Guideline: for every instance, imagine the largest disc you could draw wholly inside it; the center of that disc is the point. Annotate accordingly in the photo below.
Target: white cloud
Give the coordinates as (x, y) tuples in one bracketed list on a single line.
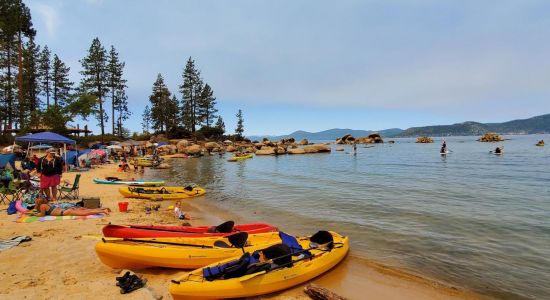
[(48, 15)]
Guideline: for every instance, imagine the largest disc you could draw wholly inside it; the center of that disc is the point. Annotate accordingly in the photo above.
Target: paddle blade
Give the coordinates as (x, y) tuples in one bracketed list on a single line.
[(238, 240)]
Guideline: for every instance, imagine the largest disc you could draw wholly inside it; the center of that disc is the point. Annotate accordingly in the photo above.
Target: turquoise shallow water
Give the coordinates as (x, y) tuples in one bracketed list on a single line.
[(471, 219)]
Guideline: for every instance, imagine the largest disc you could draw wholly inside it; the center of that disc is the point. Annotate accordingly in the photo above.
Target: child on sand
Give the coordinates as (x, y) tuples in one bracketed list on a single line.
[(180, 214)]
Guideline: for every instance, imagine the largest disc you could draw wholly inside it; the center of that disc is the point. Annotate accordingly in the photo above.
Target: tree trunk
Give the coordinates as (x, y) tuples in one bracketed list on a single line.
[(20, 77), (9, 95), (113, 109)]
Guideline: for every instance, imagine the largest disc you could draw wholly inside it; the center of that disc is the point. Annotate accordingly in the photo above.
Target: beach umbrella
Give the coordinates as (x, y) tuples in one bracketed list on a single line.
[(162, 144), (114, 147)]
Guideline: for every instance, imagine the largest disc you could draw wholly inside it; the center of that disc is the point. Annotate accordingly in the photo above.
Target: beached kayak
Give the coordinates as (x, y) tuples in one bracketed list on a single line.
[(236, 158), (114, 180), (149, 231), (181, 253), (161, 193), (248, 277)]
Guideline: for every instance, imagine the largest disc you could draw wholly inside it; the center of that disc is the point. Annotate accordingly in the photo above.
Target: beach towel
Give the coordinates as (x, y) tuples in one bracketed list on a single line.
[(14, 241), (29, 219)]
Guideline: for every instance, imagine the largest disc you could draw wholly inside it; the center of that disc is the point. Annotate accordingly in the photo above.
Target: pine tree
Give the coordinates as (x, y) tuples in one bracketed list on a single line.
[(44, 73), (95, 79), (191, 91), (220, 125), (172, 108), (121, 106), (207, 106), (160, 99), (240, 128), (15, 23), (116, 86), (146, 119), (61, 85), (29, 107)]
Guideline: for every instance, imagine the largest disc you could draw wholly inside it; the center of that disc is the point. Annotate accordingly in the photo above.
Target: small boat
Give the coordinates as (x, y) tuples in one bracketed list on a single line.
[(158, 231), (180, 253), (289, 264), (132, 182), (162, 193), (241, 157)]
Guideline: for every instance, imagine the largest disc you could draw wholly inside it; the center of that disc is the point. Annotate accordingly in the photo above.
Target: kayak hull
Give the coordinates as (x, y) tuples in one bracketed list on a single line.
[(154, 193), (141, 254), (261, 283), (131, 182), (158, 231), (237, 158)]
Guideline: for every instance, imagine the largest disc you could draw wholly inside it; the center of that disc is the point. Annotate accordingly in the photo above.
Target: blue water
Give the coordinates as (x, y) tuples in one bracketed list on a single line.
[(471, 219)]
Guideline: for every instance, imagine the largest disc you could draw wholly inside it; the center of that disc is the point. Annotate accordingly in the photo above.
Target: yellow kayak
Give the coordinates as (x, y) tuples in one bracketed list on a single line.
[(161, 193), (261, 278), (181, 253), (146, 162), (243, 157)]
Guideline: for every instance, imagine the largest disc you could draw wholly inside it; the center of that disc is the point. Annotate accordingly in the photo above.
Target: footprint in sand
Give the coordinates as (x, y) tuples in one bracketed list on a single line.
[(69, 280), (46, 233)]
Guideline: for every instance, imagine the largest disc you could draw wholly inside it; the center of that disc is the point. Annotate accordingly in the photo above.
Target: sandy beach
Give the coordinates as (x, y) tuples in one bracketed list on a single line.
[(60, 261)]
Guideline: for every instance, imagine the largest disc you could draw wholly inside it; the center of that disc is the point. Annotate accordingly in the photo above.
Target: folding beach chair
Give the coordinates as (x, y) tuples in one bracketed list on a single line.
[(70, 191)]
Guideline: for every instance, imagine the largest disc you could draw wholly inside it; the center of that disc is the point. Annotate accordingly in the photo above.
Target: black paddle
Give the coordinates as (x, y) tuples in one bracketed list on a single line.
[(222, 226), (238, 240)]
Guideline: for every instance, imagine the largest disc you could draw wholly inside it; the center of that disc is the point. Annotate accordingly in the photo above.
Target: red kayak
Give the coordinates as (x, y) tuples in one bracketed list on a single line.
[(157, 231)]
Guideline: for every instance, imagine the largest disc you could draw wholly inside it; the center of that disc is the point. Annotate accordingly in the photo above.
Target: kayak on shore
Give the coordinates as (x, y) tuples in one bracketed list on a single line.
[(133, 182), (277, 268), (180, 253), (162, 193), (150, 231)]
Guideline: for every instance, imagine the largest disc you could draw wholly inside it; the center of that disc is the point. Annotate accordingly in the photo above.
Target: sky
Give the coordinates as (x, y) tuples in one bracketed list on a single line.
[(316, 65)]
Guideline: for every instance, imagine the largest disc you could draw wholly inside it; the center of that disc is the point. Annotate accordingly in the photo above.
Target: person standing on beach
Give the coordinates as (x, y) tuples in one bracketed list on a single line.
[(50, 169)]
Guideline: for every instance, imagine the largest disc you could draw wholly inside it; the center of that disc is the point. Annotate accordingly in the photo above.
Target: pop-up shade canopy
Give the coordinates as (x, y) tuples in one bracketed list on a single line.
[(45, 137)]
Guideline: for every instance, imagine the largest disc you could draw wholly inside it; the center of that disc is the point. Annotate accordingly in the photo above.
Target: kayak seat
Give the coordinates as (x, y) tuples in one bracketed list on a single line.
[(322, 237), (221, 244), (225, 227), (232, 269), (279, 254)]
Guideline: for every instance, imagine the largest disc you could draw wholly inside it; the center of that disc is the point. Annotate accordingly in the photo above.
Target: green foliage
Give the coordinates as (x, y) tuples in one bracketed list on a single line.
[(191, 89), (164, 109), (117, 85), (146, 119), (220, 124), (211, 132), (207, 106), (44, 73), (30, 102), (61, 85), (95, 78), (141, 137), (55, 118), (240, 127)]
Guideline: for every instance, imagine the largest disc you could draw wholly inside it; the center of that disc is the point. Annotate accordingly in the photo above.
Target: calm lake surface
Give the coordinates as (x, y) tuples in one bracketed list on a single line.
[(471, 219)]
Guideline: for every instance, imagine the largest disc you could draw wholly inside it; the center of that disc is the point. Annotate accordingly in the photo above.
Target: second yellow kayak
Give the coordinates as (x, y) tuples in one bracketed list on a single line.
[(182, 253), (243, 157), (161, 193)]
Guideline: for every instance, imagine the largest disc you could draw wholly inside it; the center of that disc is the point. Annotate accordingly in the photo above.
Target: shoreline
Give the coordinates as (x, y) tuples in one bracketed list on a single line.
[(60, 261)]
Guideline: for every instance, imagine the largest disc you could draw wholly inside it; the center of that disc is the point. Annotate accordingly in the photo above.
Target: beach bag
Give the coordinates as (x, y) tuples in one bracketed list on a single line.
[(11, 208)]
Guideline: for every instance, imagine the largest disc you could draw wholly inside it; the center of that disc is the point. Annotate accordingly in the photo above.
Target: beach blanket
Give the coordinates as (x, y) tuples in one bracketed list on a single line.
[(28, 219), (14, 241)]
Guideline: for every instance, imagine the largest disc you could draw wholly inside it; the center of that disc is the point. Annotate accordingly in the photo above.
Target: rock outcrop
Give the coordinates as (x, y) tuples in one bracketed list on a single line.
[(424, 140), (490, 137), (296, 151)]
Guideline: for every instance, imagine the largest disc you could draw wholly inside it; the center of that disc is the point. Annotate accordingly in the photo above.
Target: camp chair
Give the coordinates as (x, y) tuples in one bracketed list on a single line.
[(70, 191), (7, 190)]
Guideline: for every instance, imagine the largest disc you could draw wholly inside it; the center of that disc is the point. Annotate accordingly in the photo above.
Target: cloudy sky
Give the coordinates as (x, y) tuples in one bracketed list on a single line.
[(316, 65)]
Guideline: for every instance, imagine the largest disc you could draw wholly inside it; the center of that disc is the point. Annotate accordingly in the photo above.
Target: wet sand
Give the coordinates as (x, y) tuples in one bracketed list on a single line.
[(60, 261)]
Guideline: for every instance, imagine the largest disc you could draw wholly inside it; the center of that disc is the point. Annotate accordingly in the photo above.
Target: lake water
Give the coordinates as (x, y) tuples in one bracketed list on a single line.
[(471, 219)]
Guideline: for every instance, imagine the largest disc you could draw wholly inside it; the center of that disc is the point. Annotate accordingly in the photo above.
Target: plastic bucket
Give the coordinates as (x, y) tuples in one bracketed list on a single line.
[(123, 206)]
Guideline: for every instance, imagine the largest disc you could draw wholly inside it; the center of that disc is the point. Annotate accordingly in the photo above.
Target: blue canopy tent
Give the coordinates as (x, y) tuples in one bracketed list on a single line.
[(45, 137), (7, 160)]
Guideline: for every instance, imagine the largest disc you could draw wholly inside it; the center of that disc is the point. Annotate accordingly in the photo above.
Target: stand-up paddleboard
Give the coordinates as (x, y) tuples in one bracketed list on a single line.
[(444, 153)]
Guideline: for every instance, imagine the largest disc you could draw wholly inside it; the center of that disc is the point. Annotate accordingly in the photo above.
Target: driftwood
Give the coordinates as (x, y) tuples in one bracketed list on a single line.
[(316, 292)]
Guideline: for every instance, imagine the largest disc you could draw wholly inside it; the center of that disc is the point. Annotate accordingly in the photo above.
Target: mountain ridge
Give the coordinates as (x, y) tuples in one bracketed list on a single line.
[(537, 124)]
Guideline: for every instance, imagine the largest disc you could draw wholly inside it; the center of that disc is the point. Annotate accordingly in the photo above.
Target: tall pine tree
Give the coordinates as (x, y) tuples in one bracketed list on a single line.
[(191, 90), (207, 106), (220, 125), (45, 74), (95, 79), (240, 127), (146, 119), (117, 85), (31, 103), (160, 99), (61, 85), (121, 107), (15, 24)]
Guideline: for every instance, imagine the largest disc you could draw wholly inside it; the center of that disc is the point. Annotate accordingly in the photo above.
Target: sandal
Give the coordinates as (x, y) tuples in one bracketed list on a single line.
[(134, 283)]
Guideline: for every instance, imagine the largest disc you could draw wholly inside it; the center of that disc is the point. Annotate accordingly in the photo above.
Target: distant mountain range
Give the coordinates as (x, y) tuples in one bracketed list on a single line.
[(538, 124)]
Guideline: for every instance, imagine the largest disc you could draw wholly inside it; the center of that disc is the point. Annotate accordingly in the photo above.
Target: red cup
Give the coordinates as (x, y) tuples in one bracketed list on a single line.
[(123, 206)]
